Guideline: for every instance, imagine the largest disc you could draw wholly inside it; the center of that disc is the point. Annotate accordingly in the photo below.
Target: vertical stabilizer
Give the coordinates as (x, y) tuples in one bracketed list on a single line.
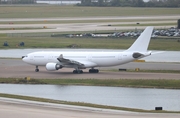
[(141, 44)]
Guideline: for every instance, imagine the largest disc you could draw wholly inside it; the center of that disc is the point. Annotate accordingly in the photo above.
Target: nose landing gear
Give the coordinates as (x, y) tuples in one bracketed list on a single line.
[(37, 69)]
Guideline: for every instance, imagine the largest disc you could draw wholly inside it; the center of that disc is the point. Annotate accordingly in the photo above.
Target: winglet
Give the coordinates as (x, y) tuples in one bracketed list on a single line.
[(142, 42), (60, 58)]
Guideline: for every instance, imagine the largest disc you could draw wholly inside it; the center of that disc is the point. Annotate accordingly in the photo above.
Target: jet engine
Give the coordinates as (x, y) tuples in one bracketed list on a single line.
[(53, 66), (138, 55)]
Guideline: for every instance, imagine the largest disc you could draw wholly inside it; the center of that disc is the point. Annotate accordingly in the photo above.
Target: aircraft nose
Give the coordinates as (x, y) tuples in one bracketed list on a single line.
[(24, 58)]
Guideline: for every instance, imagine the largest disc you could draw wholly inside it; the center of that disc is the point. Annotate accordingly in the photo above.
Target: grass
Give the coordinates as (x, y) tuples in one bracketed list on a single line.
[(137, 83), (81, 104), (147, 71), (25, 28), (175, 84), (82, 21), (97, 43), (75, 11), (148, 24)]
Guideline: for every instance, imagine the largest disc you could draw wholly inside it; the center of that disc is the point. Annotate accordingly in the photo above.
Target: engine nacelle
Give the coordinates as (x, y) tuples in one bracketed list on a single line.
[(53, 66), (138, 55)]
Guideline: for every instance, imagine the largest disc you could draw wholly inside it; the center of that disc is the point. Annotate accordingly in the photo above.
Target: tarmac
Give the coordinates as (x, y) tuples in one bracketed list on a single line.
[(13, 108), (16, 68)]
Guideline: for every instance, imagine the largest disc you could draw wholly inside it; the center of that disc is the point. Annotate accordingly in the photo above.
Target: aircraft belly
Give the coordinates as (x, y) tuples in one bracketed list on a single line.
[(40, 62), (106, 62)]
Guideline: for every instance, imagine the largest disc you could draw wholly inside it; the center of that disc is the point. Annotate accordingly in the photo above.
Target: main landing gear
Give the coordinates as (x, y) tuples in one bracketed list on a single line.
[(37, 69), (93, 70), (77, 71)]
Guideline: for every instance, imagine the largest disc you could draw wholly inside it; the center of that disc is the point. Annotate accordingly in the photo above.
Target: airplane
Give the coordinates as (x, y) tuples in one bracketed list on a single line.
[(55, 60)]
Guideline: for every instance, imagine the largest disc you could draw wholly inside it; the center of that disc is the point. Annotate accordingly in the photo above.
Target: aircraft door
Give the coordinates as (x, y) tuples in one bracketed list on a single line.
[(89, 57), (50, 57), (119, 56), (31, 57)]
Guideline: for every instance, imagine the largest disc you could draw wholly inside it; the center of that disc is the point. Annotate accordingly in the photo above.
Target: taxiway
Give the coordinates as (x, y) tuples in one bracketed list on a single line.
[(16, 68)]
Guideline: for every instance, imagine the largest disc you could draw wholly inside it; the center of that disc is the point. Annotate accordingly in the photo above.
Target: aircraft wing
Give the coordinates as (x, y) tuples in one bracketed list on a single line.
[(69, 61)]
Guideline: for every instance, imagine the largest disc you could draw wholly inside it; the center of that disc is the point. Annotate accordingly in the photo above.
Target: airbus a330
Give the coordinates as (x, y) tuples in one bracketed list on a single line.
[(55, 60)]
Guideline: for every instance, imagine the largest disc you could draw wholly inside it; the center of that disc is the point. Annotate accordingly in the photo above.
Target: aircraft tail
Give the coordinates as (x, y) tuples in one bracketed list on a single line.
[(142, 42)]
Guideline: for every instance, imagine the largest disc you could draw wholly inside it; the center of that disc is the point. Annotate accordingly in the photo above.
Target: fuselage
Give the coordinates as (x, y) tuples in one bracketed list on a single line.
[(90, 59)]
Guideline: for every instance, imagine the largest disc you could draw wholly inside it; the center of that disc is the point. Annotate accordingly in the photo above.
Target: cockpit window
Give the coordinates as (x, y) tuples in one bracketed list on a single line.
[(24, 56)]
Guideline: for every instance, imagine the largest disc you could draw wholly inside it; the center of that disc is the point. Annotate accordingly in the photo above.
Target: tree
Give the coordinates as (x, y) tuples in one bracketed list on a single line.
[(86, 2), (172, 3), (115, 3), (100, 2), (138, 3)]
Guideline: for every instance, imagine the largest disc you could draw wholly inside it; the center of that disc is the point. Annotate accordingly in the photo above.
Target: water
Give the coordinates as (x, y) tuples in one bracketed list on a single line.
[(141, 98), (58, 2)]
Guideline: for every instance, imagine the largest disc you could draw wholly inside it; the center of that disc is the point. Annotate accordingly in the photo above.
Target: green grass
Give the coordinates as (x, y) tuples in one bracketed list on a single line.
[(121, 82), (25, 28), (143, 70), (75, 11), (83, 21), (148, 24), (137, 83), (97, 43)]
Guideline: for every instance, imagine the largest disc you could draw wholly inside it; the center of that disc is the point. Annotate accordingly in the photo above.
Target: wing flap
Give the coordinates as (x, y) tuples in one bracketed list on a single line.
[(68, 61)]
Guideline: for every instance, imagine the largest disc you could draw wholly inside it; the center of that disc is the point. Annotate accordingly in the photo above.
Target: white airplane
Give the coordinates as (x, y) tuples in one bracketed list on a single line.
[(82, 60)]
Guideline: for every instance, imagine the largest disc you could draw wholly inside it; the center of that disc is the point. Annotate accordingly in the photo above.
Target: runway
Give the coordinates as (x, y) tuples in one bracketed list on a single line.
[(16, 68), (21, 108), (96, 25)]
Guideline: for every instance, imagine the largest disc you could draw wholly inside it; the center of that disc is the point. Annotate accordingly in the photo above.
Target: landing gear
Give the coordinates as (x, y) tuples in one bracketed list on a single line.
[(77, 71), (93, 71), (37, 69)]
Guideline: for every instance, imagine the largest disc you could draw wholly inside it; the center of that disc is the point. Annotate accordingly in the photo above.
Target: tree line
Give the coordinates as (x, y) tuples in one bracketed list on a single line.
[(131, 3), (17, 1), (110, 3)]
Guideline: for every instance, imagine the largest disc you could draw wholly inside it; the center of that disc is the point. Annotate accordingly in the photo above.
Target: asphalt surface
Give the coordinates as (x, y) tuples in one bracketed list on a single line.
[(12, 108), (16, 68), (90, 18), (84, 26)]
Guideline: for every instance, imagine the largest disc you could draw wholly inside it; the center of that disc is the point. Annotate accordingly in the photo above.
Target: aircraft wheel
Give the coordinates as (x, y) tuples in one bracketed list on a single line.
[(77, 71), (90, 70), (36, 70), (74, 71), (81, 71), (93, 71)]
